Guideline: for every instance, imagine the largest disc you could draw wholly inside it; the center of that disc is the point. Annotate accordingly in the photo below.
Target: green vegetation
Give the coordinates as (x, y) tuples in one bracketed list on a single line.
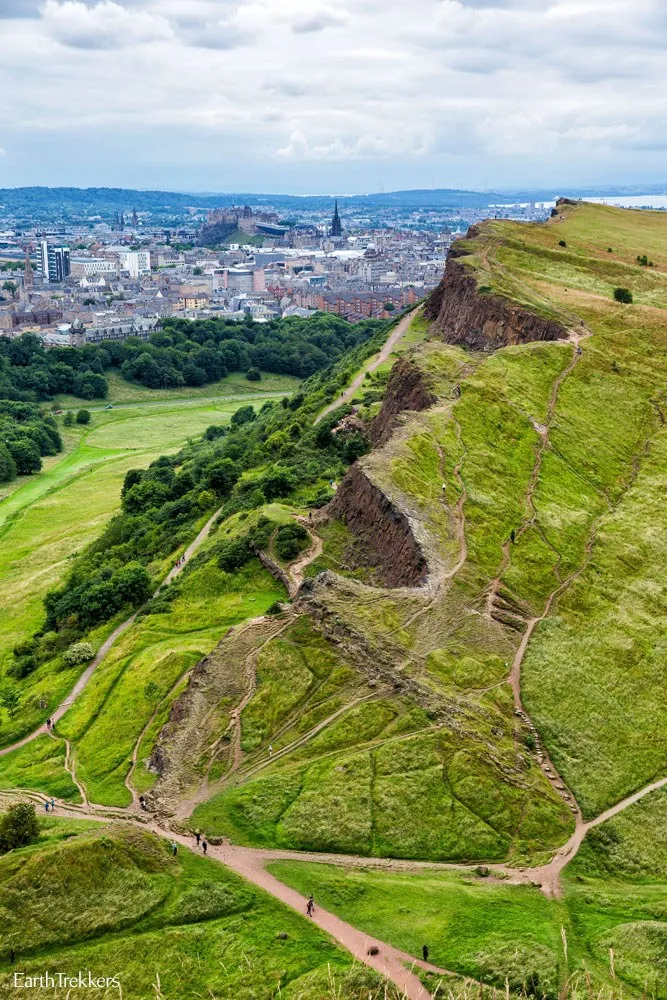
[(182, 353), (18, 827), (26, 435), (114, 901)]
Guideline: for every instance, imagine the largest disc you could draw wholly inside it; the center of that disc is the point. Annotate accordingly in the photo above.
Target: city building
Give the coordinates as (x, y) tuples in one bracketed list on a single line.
[(53, 261)]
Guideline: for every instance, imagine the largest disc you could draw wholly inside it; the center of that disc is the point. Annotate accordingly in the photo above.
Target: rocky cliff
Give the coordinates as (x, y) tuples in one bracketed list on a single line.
[(408, 389), (383, 529), (484, 322)]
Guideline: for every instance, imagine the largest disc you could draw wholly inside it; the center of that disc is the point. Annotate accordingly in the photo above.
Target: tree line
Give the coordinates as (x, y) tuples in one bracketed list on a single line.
[(274, 454), (181, 353)]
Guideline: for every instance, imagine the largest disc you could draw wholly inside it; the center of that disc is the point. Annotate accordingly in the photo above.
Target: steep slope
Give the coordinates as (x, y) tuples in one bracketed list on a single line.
[(488, 510)]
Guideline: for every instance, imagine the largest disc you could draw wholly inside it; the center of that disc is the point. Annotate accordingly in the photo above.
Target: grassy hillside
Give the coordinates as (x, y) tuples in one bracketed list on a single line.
[(114, 901), (554, 456)]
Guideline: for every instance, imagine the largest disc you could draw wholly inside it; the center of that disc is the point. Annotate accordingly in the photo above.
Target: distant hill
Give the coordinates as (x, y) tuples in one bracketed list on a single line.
[(93, 201)]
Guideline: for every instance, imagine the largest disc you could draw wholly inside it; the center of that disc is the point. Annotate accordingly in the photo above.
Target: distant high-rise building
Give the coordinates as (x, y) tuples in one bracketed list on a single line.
[(336, 224), (54, 261)]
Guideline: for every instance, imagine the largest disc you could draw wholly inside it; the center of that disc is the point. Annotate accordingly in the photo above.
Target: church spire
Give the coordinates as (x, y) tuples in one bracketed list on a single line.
[(336, 224), (28, 274)]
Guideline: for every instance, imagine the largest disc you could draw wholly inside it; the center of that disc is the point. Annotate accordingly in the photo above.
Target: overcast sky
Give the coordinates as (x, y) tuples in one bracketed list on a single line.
[(333, 96)]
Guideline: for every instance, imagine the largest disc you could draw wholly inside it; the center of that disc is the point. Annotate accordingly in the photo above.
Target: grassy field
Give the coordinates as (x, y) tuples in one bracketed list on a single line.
[(114, 901), (126, 393), (616, 898), (57, 512)]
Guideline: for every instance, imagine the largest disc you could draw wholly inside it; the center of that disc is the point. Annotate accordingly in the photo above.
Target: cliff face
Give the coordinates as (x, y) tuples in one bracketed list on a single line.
[(407, 390), (382, 528), (461, 315)]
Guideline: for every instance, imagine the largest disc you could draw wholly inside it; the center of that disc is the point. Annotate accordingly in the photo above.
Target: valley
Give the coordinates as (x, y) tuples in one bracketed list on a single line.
[(413, 663)]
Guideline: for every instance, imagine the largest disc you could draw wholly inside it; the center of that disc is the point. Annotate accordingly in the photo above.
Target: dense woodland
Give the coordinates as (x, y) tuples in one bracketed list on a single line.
[(26, 434), (182, 353), (276, 454)]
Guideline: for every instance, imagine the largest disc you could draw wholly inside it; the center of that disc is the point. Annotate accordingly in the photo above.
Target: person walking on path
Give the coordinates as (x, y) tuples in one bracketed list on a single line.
[(46, 805), (53, 805), (425, 953), (174, 848), (310, 907), (204, 846), (198, 837)]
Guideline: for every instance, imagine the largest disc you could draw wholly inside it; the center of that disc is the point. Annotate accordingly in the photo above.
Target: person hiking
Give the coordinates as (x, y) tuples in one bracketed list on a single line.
[(198, 837), (48, 723), (12, 956), (53, 804), (310, 906), (425, 953), (204, 846), (174, 848), (46, 806)]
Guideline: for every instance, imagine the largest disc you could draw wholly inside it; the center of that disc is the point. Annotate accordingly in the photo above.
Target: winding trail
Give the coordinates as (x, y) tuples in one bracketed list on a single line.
[(83, 680), (394, 338)]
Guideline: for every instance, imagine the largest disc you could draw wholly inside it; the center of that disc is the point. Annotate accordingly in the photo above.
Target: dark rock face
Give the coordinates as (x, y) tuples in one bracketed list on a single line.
[(407, 389), (383, 530), (461, 315)]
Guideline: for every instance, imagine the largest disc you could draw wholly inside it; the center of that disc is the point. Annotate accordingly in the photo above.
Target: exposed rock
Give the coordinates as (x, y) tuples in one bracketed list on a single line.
[(408, 389), (483, 322), (383, 529)]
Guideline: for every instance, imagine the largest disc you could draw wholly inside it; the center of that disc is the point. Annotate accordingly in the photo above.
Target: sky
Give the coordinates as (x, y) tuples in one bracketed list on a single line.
[(333, 96)]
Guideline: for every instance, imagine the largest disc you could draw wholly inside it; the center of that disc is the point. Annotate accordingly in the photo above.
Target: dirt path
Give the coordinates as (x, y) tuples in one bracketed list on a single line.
[(83, 680), (395, 336), (296, 571)]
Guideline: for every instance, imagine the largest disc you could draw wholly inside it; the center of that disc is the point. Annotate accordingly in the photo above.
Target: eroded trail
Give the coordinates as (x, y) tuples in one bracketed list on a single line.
[(394, 338), (83, 680)]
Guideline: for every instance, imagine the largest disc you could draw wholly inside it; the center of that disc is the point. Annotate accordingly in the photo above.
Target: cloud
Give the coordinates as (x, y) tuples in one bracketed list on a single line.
[(318, 19), (451, 91), (106, 25)]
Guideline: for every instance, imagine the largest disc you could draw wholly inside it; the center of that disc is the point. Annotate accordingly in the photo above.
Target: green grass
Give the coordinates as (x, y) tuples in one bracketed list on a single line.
[(236, 385), (114, 901), (107, 720), (57, 512), (40, 766), (473, 926)]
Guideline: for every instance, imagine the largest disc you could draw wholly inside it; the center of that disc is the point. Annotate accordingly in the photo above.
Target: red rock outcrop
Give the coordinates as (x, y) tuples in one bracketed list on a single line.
[(383, 530), (484, 322), (408, 389)]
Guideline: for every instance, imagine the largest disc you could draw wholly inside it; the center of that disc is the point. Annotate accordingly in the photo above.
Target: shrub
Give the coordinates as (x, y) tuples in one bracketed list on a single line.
[(80, 652), (562, 243), (18, 827), (291, 539), (254, 375), (83, 417), (68, 419), (234, 554), (244, 415), (623, 295)]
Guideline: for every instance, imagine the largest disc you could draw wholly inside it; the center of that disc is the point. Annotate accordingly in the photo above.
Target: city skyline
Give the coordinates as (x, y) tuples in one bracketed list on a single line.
[(335, 96)]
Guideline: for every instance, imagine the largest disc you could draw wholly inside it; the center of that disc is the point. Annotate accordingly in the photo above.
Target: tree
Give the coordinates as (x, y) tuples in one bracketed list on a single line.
[(7, 464), (291, 539), (68, 419), (11, 287), (9, 699), (26, 455), (222, 476), (198, 270), (18, 827), (253, 375), (623, 295), (390, 307), (243, 416), (83, 417)]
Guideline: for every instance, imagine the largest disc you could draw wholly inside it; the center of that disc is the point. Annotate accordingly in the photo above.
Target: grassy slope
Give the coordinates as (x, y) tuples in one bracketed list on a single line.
[(62, 509), (114, 901)]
